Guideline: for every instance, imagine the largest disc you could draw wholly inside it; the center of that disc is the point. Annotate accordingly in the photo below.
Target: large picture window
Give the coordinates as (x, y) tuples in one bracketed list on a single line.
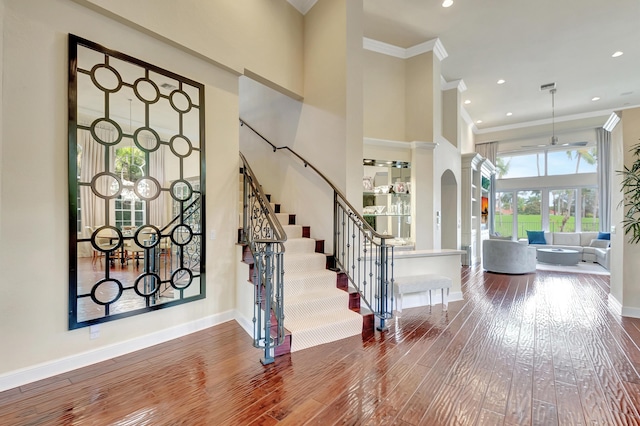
[(547, 162)]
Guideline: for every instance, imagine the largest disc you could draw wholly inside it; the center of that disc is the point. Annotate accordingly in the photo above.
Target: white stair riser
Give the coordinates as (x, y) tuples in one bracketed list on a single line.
[(304, 262), (300, 245), (327, 302), (283, 218), (293, 231), (325, 332), (295, 284)]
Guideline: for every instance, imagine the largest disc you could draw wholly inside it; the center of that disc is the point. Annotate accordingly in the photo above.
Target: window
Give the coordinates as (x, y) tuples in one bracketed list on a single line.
[(503, 214), (547, 162), (562, 210), (129, 212), (568, 162), (589, 213), (529, 209), (520, 165), (554, 210)]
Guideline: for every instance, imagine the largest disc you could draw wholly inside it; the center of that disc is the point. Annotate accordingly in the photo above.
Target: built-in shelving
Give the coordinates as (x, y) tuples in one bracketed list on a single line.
[(395, 218), (474, 167)]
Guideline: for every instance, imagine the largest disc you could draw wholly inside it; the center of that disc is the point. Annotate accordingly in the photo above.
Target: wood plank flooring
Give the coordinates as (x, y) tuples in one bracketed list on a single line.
[(536, 349)]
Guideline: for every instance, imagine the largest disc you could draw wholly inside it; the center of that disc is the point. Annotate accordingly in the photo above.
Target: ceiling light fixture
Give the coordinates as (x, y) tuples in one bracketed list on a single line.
[(595, 98), (501, 81), (509, 114), (616, 54), (467, 102), (447, 3), (479, 121), (554, 139)]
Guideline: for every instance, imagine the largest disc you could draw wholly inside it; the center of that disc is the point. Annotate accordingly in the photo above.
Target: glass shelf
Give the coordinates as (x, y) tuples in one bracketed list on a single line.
[(386, 214), (387, 193)]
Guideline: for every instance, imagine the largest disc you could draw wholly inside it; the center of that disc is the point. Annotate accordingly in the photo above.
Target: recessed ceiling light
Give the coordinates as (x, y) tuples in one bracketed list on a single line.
[(501, 81), (595, 98), (509, 114), (479, 121), (616, 54), (467, 102), (447, 3)]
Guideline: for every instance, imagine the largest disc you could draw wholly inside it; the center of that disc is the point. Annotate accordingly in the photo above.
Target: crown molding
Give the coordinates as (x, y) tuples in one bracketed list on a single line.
[(424, 145), (611, 122), (434, 45), (303, 6), (386, 143), (454, 84), (583, 116), (467, 119), (384, 48)]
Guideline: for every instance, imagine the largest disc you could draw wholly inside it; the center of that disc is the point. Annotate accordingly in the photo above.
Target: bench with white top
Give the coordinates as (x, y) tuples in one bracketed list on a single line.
[(422, 284)]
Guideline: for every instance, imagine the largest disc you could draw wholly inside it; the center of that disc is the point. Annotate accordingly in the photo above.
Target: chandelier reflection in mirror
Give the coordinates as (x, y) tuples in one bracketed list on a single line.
[(136, 185)]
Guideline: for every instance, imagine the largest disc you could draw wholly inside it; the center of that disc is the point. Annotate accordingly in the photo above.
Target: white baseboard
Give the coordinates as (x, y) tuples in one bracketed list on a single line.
[(48, 369), (624, 311), (615, 304), (245, 323), (630, 312)]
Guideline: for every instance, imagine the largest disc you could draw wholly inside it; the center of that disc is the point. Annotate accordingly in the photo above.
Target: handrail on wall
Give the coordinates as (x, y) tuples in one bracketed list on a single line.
[(359, 250)]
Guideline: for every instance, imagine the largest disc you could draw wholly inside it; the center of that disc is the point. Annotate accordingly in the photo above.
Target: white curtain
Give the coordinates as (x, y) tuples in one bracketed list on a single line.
[(92, 208), (603, 141), (490, 152), (158, 207)]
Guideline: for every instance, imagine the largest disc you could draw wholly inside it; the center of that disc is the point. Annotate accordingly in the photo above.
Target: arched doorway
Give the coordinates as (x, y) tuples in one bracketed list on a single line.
[(449, 214)]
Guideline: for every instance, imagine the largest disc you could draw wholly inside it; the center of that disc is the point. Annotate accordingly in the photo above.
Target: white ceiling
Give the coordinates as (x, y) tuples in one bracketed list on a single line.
[(527, 43)]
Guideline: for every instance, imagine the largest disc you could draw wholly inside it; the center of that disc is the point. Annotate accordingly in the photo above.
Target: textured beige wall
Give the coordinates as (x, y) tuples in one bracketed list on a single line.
[(34, 208), (423, 98), (630, 288), (384, 96), (263, 37), (617, 254)]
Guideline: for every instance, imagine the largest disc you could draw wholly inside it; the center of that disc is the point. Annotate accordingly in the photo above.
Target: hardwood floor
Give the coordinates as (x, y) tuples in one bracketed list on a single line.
[(539, 349)]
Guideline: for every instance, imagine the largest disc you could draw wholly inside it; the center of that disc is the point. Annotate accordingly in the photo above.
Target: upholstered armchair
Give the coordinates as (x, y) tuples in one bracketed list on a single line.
[(508, 257)]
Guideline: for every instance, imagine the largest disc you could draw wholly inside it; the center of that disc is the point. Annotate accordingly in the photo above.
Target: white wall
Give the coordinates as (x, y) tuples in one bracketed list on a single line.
[(34, 208)]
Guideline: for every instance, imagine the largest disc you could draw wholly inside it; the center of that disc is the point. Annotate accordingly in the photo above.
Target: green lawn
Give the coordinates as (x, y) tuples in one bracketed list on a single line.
[(504, 224)]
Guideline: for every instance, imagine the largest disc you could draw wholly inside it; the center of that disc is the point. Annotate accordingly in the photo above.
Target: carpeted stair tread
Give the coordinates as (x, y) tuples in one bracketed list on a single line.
[(328, 301), (307, 281), (300, 245), (304, 262), (317, 329)]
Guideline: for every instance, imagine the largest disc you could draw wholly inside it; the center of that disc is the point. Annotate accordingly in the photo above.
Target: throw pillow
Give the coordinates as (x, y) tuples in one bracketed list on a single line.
[(536, 237), (604, 235), (599, 243)]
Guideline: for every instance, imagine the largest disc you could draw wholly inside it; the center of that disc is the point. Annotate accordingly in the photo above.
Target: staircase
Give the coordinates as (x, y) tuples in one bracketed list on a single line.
[(319, 306), (316, 310)]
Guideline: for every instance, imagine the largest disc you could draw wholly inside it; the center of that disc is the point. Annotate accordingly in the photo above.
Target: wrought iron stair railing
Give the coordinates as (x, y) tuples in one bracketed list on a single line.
[(359, 251), (264, 235)]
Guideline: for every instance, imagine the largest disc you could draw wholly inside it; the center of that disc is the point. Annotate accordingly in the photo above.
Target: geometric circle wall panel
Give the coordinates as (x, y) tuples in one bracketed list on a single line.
[(136, 185)]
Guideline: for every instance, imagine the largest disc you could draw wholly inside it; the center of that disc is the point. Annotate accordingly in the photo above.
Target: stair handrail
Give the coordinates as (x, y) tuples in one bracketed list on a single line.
[(306, 163), (342, 207), (265, 237)]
